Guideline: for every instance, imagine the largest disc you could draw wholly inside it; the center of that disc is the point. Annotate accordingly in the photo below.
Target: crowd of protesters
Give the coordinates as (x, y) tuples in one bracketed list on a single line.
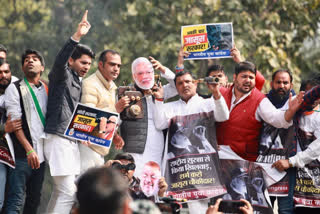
[(35, 114)]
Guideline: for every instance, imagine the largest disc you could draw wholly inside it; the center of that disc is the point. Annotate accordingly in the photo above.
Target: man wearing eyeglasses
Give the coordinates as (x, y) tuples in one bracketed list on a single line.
[(126, 164)]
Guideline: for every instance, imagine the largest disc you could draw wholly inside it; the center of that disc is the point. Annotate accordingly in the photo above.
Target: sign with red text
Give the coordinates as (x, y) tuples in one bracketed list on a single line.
[(92, 124), (206, 41), (192, 168)]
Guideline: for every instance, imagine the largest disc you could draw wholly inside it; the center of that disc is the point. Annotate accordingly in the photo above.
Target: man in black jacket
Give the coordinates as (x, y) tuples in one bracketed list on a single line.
[(71, 64)]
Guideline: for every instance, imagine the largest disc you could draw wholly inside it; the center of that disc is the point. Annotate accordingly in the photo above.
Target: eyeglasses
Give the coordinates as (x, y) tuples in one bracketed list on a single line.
[(110, 121), (118, 166)]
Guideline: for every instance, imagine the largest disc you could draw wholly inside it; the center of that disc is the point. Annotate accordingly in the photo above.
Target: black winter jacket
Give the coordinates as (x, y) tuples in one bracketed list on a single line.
[(64, 91)]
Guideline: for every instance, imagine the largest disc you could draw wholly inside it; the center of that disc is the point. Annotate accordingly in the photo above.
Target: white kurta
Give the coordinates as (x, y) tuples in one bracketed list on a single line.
[(309, 123), (196, 104), (154, 146), (12, 104)]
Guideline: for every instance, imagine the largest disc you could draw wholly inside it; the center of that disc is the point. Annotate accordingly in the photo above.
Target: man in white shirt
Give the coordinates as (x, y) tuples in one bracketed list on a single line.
[(27, 99), (190, 104)]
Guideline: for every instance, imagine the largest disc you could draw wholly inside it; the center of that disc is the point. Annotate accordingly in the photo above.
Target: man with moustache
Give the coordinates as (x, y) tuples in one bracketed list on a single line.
[(248, 109), (190, 103), (99, 91), (6, 126), (62, 154), (307, 132), (27, 100)]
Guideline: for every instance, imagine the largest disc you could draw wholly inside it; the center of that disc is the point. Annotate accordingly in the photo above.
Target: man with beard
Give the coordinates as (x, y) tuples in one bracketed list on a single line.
[(6, 126), (248, 109), (62, 154), (281, 88), (126, 164), (308, 147), (27, 100)]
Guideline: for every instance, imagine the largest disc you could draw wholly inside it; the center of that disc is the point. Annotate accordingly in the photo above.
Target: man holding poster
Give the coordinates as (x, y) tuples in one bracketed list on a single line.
[(207, 41), (62, 154), (191, 173)]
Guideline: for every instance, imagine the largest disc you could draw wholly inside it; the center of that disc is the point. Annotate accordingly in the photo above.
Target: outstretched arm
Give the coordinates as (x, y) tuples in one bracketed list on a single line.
[(309, 98), (58, 72), (169, 89)]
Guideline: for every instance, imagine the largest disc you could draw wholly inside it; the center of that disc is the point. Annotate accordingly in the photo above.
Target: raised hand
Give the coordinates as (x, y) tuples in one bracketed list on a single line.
[(294, 105), (83, 27), (157, 65), (158, 92), (181, 56), (235, 53)]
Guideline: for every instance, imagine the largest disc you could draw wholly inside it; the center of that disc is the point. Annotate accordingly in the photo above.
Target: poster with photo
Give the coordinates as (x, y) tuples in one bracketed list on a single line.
[(192, 168), (205, 41), (307, 189), (92, 124), (248, 180), (276, 144)]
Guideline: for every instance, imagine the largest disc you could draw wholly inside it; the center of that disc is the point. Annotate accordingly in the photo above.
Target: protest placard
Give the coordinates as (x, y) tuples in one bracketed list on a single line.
[(276, 144), (206, 41), (307, 188), (92, 124), (192, 167)]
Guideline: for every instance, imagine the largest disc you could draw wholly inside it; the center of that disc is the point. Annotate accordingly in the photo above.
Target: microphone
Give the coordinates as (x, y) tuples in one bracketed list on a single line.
[(169, 199)]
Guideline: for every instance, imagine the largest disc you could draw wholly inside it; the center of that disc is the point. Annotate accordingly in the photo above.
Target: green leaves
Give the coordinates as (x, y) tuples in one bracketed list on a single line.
[(268, 32)]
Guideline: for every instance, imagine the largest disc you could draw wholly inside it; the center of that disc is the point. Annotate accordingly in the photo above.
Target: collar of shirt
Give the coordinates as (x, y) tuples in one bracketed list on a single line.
[(233, 104), (193, 99), (108, 85)]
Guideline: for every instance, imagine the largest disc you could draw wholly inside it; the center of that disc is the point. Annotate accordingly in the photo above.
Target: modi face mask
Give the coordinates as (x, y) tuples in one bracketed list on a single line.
[(143, 73)]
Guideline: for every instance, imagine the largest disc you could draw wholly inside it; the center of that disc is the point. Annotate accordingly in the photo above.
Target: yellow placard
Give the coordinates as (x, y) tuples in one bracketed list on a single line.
[(195, 38), (85, 120)]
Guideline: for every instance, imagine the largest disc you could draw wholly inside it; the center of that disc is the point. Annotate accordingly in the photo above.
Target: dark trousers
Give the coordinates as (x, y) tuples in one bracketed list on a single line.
[(24, 180)]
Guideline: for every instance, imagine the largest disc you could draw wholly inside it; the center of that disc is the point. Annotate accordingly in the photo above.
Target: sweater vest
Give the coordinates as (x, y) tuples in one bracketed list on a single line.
[(19, 151), (242, 131), (134, 132)]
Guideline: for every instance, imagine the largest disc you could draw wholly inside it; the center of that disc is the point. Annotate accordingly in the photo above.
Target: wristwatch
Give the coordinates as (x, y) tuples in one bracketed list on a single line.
[(290, 163), (102, 132)]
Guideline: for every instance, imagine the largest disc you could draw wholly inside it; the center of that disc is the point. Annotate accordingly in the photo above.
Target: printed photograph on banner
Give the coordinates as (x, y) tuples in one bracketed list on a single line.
[(149, 178), (92, 124), (276, 144), (245, 180), (192, 168), (206, 41), (307, 188)]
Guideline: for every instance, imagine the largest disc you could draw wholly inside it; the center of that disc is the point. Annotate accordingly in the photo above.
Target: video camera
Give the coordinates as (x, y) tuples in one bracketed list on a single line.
[(135, 109)]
